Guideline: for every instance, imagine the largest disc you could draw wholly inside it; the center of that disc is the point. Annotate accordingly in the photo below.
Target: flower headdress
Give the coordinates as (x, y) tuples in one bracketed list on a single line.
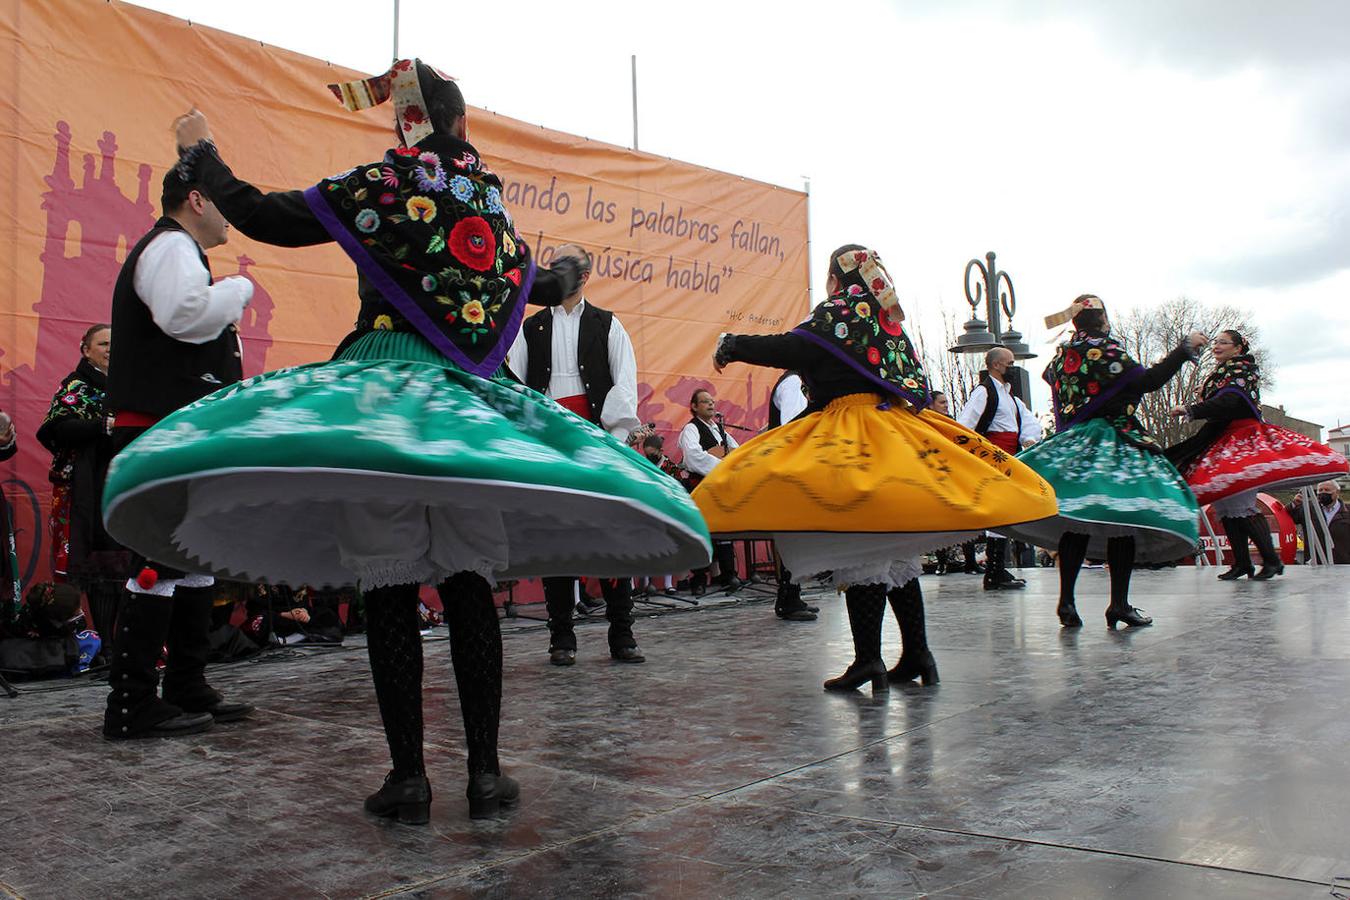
[(874, 277), (1087, 301)]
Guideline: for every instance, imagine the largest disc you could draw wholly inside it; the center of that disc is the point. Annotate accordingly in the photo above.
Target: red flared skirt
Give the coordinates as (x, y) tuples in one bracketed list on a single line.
[(1253, 455)]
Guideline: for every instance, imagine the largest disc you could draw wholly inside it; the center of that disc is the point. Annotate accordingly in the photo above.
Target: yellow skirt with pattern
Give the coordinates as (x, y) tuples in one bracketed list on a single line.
[(864, 481)]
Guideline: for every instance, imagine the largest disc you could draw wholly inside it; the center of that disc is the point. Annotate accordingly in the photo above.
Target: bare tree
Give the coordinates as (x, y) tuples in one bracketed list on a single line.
[(955, 374), (1150, 334)]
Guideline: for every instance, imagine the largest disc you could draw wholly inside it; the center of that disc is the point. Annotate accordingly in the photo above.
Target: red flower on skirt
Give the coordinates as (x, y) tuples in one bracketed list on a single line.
[(1072, 362), (472, 243)]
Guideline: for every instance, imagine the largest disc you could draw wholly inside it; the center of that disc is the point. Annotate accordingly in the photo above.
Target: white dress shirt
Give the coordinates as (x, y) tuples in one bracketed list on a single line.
[(1005, 416), (173, 283), (618, 415), (696, 459), (789, 399)]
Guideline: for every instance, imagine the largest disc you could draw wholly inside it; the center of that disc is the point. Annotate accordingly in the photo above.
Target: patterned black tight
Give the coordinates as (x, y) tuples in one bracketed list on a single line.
[(395, 646), (476, 651)]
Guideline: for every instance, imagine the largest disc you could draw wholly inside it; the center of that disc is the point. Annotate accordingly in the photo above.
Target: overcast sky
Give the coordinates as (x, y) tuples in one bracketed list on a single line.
[(1139, 150)]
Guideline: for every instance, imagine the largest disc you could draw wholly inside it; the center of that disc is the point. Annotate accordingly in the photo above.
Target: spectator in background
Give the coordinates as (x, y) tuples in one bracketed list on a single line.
[(76, 432), (705, 443), (1334, 513), (941, 404)]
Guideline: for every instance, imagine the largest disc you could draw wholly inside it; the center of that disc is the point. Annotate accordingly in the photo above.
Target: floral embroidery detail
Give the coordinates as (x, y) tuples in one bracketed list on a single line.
[(474, 313), (70, 399), (383, 323), (1240, 373), (841, 331), (1084, 376), (508, 247), (428, 283), (889, 324), (421, 208), (873, 355), (494, 200), (367, 220), (373, 173), (462, 188), (863, 310), (472, 243), (390, 177), (387, 199), (433, 180)]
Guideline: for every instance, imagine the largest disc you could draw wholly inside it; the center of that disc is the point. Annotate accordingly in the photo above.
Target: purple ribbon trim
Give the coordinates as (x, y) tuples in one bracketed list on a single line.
[(919, 401), (1096, 403), (1230, 389), (407, 306)]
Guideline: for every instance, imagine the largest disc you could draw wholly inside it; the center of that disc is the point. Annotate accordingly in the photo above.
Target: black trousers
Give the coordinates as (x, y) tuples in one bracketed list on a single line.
[(724, 552), (559, 598)]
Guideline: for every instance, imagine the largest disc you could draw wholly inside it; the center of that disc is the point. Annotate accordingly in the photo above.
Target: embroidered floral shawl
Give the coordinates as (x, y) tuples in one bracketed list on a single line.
[(1238, 375), (1087, 373), (426, 226), (81, 396), (868, 336)]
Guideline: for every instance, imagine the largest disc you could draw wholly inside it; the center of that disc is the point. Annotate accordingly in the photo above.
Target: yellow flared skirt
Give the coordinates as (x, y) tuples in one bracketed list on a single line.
[(863, 480)]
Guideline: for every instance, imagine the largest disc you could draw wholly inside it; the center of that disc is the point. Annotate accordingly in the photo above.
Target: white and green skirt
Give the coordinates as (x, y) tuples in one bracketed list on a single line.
[(389, 465), (1108, 487)]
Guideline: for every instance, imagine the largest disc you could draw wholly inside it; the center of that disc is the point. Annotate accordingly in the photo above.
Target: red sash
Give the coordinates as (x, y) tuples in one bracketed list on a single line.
[(1004, 440)]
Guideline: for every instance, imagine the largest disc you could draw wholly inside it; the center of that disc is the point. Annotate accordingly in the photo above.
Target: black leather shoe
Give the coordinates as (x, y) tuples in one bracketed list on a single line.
[(1008, 583), (230, 712), (1235, 573), (1268, 572), (408, 800), (627, 654), (1129, 615), (176, 726), (919, 665), (1068, 616), (796, 614), (858, 674), (561, 657), (489, 793)]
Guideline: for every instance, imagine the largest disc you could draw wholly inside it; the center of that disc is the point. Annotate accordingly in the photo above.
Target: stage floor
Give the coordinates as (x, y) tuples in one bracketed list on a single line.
[(1203, 757)]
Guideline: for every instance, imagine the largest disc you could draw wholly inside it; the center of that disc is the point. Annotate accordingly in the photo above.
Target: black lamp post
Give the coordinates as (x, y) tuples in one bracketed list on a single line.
[(983, 335)]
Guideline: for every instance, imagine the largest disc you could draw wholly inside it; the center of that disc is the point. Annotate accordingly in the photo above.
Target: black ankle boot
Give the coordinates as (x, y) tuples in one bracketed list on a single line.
[(916, 660), (1236, 529), (858, 674), (488, 793), (408, 800), (1132, 617), (1068, 616)]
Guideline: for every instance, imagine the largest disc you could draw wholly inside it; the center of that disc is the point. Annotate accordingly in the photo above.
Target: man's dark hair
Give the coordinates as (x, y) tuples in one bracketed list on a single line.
[(654, 440), (178, 183), (693, 398), (939, 393)]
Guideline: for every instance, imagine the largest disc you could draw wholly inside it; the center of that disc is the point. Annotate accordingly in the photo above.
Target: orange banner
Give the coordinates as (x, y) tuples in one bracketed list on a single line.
[(682, 253)]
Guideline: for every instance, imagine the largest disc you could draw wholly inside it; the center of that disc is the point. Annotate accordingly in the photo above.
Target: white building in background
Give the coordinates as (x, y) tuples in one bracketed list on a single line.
[(1338, 439)]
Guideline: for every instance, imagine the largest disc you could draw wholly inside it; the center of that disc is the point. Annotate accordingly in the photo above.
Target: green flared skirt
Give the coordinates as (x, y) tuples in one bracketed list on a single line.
[(1108, 487), (390, 465)]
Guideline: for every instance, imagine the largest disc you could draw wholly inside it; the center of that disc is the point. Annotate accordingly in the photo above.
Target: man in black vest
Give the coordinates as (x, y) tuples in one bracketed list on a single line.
[(704, 443), (176, 343), (580, 356), (994, 412)]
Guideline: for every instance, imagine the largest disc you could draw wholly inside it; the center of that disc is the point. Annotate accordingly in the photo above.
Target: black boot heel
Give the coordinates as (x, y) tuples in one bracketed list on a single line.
[(1268, 572), (408, 800), (921, 666), (1068, 616), (489, 793), (1235, 573), (858, 674)]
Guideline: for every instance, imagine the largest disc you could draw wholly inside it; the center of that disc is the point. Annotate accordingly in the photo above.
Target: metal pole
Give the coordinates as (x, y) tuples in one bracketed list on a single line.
[(810, 285), (991, 298), (395, 30), (635, 124)]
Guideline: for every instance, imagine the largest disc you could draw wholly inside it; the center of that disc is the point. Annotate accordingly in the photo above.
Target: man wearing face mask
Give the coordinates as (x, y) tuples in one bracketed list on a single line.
[(1334, 513), (993, 412)]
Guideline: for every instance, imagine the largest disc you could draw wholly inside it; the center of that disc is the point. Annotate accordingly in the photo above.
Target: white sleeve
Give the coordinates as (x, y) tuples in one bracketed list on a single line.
[(974, 408), (177, 288), (696, 459), (518, 357), (731, 441), (1031, 426), (789, 399), (619, 414)]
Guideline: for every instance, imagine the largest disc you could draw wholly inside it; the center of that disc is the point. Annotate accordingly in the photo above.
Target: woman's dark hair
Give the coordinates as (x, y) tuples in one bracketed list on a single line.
[(1238, 340), (89, 335), (846, 278), (1089, 319), (445, 102)]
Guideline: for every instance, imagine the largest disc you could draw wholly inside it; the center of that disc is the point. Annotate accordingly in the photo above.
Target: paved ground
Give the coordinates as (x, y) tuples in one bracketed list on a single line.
[(1203, 757)]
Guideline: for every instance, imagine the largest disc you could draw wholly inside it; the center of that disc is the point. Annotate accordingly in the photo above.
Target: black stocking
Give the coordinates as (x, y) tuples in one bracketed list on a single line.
[(1072, 551), (1260, 532), (1120, 558), (866, 606), (395, 644), (476, 652)]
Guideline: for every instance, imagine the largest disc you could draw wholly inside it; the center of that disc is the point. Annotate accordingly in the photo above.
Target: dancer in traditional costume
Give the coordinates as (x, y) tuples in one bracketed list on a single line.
[(409, 458), (871, 480), (1237, 453), (1119, 497)]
